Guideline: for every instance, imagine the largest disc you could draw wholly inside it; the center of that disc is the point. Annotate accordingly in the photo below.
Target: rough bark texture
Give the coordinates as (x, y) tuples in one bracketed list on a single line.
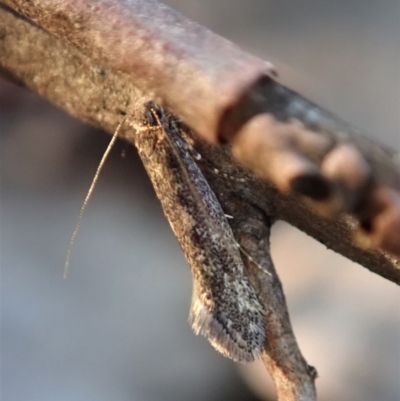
[(90, 89), (224, 94), (96, 94)]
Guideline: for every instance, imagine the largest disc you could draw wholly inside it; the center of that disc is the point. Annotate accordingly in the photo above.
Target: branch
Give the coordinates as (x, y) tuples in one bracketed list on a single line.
[(225, 94), (90, 88)]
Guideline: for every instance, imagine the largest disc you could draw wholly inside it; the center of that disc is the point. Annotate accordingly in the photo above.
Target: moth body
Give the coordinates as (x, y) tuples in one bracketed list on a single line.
[(225, 308)]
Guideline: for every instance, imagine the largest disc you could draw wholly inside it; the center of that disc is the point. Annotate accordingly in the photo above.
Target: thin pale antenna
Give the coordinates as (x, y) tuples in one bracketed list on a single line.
[(89, 194)]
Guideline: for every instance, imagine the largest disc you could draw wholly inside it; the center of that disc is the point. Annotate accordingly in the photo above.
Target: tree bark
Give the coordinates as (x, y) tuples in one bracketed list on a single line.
[(96, 89)]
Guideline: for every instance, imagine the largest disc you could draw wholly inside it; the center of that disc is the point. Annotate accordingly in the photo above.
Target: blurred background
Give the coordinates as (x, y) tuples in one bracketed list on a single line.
[(116, 328)]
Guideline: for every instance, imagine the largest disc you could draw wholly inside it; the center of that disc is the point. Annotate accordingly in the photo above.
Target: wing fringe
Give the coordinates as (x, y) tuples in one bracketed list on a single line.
[(228, 342)]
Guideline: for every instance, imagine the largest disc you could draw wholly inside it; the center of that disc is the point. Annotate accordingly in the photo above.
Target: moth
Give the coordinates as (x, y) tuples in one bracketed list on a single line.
[(225, 308)]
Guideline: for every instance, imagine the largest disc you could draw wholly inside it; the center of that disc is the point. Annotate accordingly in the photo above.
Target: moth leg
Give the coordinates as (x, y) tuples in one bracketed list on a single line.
[(250, 258), (156, 118), (153, 122)]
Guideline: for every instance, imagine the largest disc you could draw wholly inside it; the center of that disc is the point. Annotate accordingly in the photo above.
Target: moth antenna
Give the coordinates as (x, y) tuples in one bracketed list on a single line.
[(89, 194), (250, 258)]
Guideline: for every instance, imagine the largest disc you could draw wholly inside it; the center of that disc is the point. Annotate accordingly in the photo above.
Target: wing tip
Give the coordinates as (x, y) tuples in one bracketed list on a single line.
[(228, 342)]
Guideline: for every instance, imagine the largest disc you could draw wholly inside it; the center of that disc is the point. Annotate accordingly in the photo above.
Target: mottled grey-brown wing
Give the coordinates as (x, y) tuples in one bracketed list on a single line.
[(225, 308)]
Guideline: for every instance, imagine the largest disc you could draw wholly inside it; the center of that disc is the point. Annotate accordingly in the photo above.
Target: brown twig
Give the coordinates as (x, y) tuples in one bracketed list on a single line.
[(94, 92), (295, 144), (98, 95)]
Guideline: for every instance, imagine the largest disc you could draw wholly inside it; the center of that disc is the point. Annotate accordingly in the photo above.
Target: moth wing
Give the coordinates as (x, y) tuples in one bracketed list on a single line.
[(233, 324)]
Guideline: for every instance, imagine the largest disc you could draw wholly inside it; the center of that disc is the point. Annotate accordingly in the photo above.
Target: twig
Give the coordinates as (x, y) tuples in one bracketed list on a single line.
[(91, 90), (98, 95), (295, 144)]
